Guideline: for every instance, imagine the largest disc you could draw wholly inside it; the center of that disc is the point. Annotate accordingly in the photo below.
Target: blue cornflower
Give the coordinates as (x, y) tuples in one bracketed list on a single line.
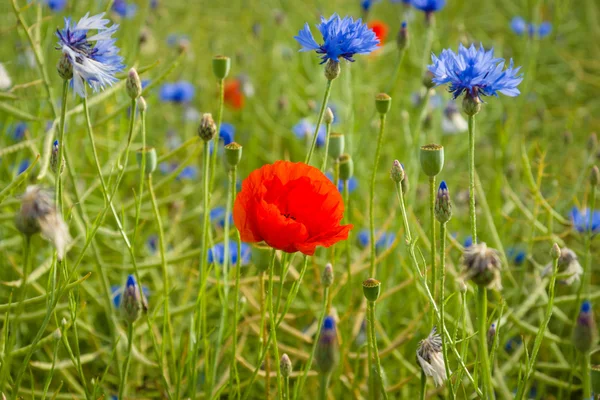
[(177, 92), (517, 256), (352, 183), (468, 242), (175, 39), (305, 129), (428, 6), (117, 292), (226, 133), (152, 243), (56, 5), (366, 4), (216, 254), (513, 344), (384, 240), (520, 26), (476, 72), (96, 63), (124, 9), (17, 132), (581, 220), (217, 216), (188, 173), (23, 166), (341, 38)]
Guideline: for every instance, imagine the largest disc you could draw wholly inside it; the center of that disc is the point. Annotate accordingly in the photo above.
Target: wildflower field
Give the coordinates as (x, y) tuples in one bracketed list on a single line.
[(309, 200)]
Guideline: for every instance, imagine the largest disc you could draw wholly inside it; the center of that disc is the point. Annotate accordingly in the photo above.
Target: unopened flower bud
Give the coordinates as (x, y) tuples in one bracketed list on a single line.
[(371, 289), (594, 176), (133, 302), (383, 103), (432, 159), (428, 80), (346, 167), (328, 117), (148, 156), (64, 67), (403, 39), (285, 365), (233, 154), (207, 129), (142, 105), (332, 69), (555, 251), (336, 145), (397, 172), (585, 333), (405, 184), (133, 85), (221, 66), (443, 205), (54, 158), (327, 276), (327, 354), (57, 334), (491, 333), (471, 104)]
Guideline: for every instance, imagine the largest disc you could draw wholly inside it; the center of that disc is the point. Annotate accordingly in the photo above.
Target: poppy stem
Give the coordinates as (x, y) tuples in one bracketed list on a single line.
[(433, 283), (378, 376), (321, 113), (372, 194), (272, 318), (233, 374), (213, 163), (348, 248), (263, 334)]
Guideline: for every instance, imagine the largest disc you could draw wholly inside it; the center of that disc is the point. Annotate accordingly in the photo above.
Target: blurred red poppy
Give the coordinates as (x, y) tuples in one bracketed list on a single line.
[(381, 30), (233, 96), (290, 206)]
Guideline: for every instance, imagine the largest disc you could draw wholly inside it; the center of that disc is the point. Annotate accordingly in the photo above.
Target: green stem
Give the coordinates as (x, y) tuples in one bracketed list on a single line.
[(201, 327), (263, 334), (348, 247), (442, 304), (379, 376), (286, 384), (423, 386), (585, 375), (272, 318), (214, 155), (432, 239), (473, 217), (372, 194), (486, 374), (396, 76), (326, 156), (236, 310), (61, 146), (321, 113), (311, 356), (323, 386), (127, 361)]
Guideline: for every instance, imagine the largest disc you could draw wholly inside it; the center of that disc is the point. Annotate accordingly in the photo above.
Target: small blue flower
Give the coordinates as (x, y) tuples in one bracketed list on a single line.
[(428, 6), (342, 38), (96, 63), (117, 292), (517, 256), (304, 129), (216, 254), (23, 166), (226, 134), (124, 9), (188, 173), (352, 183), (152, 243), (513, 344), (217, 217), (175, 39), (520, 26), (476, 72), (178, 92), (367, 4), (56, 5), (386, 239), (544, 29), (468, 242), (581, 220), (17, 132)]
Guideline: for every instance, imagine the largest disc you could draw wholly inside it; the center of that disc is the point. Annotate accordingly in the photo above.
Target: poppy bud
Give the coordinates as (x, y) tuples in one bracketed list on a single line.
[(482, 265), (54, 158), (594, 176), (383, 103), (285, 365), (233, 154), (327, 276), (403, 40), (133, 302), (428, 80), (432, 159), (336, 145), (584, 334), (133, 85), (142, 104), (346, 167), (332, 69), (149, 153), (261, 256), (64, 67), (221, 66), (471, 104), (207, 129), (371, 289), (328, 117), (443, 205), (327, 353), (397, 172)]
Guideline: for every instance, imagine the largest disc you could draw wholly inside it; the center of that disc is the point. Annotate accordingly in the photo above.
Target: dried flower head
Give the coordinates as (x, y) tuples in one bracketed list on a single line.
[(482, 265), (38, 214), (430, 357)]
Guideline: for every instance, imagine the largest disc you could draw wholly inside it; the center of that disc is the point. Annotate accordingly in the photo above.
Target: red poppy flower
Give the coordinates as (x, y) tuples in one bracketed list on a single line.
[(233, 94), (381, 30), (291, 206)]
